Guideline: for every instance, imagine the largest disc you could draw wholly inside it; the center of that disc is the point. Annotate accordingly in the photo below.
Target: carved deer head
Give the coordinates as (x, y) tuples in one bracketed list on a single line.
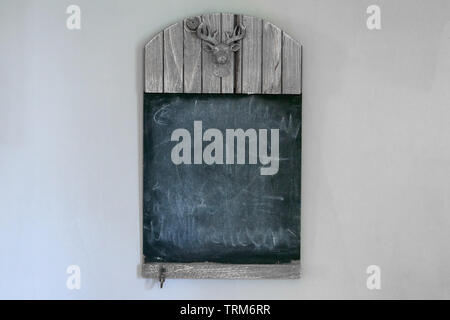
[(221, 50)]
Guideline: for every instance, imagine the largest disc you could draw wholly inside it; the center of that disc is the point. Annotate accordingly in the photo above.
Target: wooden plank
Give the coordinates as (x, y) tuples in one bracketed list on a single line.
[(192, 62), (210, 82), (153, 64), (291, 66), (238, 62), (252, 55), (209, 270), (173, 58), (228, 26), (271, 68)]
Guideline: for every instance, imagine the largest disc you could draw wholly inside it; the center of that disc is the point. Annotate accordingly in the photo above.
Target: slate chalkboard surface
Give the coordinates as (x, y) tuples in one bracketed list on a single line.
[(227, 213)]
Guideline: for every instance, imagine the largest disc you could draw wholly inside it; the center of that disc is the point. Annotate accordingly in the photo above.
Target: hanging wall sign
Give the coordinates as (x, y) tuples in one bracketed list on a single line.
[(222, 150)]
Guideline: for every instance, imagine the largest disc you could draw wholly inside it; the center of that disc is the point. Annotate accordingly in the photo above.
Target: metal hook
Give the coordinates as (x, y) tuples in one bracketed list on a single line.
[(162, 276)]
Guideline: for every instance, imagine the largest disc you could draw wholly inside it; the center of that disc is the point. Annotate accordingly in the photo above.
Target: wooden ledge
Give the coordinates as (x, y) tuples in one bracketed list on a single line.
[(208, 270)]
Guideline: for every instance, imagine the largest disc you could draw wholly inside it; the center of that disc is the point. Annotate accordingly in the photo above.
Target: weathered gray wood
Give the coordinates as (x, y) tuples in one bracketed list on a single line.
[(228, 25), (192, 62), (252, 55), (268, 62), (238, 61), (292, 66), (154, 64), (210, 82), (271, 69), (209, 270), (173, 58)]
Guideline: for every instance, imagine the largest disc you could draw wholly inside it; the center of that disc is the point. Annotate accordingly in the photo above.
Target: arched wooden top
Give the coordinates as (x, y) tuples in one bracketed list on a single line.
[(268, 62)]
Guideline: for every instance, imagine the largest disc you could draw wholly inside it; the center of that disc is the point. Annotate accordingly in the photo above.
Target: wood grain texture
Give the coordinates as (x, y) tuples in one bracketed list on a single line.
[(292, 66), (268, 62), (238, 61), (173, 58), (252, 55), (271, 69), (192, 56), (154, 64), (222, 271), (228, 26), (210, 83)]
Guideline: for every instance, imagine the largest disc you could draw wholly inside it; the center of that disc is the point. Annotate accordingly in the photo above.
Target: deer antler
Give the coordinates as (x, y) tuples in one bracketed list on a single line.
[(238, 34), (204, 33)]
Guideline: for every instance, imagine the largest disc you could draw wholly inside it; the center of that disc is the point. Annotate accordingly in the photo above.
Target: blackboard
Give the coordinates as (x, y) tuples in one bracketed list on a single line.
[(227, 213)]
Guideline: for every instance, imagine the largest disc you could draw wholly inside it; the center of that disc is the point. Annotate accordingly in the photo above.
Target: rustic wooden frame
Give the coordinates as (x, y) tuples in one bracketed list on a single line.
[(269, 62)]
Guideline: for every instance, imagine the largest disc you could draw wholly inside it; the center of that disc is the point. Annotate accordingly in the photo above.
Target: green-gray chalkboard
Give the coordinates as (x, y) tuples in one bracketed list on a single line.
[(223, 212)]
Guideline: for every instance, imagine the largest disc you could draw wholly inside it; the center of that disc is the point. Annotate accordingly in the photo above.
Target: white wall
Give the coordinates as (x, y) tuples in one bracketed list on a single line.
[(376, 148)]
